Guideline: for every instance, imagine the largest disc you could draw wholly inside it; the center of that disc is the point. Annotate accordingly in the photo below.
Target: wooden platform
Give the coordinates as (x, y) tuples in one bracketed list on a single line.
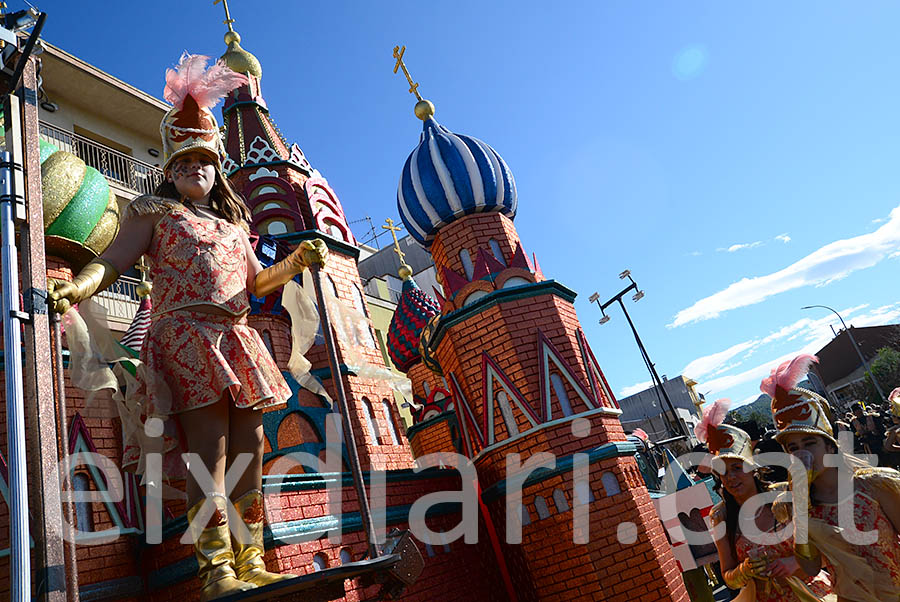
[(320, 586)]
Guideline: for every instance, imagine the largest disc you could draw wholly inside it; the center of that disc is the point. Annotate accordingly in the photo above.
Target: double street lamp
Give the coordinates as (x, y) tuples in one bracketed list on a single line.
[(658, 384), (853, 342)]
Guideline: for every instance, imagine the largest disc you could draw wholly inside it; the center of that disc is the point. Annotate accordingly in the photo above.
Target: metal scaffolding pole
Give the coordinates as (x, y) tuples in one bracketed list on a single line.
[(33, 327), (20, 561)]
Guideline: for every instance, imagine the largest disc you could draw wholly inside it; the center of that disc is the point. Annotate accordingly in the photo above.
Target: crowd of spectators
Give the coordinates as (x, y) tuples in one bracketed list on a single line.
[(876, 431)]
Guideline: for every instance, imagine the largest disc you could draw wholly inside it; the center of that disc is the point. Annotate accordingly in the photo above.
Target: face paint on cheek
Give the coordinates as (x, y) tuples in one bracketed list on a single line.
[(179, 170)]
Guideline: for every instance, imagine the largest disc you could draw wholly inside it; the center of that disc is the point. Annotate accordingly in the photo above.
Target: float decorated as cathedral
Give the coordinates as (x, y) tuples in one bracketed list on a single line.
[(215, 390)]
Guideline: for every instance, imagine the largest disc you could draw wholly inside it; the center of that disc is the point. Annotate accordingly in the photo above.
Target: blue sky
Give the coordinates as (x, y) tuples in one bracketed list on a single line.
[(740, 160)]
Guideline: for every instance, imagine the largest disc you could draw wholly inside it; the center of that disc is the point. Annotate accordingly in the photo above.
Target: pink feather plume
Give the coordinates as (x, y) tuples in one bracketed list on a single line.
[(641, 434), (207, 86), (712, 417), (788, 374)]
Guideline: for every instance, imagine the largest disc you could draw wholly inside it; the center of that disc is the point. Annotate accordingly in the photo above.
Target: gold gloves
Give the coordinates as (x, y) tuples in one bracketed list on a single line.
[(806, 551), (743, 573), (307, 253), (96, 276)]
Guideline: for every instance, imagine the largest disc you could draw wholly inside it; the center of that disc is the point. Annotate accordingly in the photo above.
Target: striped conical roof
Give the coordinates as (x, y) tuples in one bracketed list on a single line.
[(134, 336), (413, 312)]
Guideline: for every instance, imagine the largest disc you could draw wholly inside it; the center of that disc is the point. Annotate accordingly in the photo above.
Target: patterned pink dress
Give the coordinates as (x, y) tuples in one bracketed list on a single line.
[(777, 590), (883, 555), (192, 358)]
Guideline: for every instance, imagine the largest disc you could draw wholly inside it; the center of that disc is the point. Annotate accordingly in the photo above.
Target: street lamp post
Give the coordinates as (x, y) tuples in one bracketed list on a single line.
[(859, 352), (658, 384)]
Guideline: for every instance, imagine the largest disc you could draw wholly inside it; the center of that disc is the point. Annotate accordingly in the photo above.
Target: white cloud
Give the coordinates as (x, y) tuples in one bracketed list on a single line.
[(711, 363), (745, 401), (814, 335), (783, 238), (754, 374), (827, 264), (694, 254), (810, 330), (635, 388), (742, 245)]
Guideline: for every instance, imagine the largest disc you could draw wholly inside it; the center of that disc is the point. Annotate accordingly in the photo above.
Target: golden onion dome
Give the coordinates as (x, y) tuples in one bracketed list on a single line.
[(238, 59)]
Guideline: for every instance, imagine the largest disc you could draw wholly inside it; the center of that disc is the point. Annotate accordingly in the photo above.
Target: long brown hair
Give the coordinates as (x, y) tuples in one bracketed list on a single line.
[(223, 199)]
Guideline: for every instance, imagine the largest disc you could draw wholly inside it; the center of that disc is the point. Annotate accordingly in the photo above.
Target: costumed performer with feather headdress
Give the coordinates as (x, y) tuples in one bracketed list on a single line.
[(762, 567), (202, 363), (865, 564)]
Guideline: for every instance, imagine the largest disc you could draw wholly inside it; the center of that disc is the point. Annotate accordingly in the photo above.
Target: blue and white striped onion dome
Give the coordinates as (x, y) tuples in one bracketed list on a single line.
[(448, 176)]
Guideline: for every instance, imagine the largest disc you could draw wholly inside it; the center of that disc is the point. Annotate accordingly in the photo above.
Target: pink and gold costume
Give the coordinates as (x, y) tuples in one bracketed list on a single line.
[(883, 556), (202, 356), (777, 590)]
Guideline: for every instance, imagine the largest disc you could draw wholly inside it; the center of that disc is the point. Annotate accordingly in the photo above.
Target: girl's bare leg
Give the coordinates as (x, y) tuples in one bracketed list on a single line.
[(245, 435), (206, 430)]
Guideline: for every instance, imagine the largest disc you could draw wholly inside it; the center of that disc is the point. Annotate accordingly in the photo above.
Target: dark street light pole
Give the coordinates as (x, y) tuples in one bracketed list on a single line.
[(862, 358), (658, 384)]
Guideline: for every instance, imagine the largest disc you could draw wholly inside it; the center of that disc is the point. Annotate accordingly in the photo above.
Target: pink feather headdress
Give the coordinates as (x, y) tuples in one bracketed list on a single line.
[(206, 86), (787, 375), (641, 434), (712, 417)]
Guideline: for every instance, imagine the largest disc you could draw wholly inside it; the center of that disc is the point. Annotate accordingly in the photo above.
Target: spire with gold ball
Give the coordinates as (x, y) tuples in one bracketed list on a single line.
[(448, 175), (414, 309)]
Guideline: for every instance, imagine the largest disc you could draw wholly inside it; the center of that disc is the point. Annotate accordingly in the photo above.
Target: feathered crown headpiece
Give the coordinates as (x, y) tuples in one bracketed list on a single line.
[(723, 440), (795, 409), (193, 90), (894, 398)]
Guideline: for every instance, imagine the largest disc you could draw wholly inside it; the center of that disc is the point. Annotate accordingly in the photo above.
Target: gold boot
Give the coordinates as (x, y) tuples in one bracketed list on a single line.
[(212, 545), (248, 557)]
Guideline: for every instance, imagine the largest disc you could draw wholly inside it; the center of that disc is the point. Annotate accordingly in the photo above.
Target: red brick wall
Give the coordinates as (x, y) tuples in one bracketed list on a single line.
[(471, 233), (508, 332), (603, 568), (435, 438)]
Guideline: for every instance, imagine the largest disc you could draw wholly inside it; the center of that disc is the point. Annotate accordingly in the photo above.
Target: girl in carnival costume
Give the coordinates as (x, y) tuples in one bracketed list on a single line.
[(762, 567), (863, 556), (892, 434), (200, 360)]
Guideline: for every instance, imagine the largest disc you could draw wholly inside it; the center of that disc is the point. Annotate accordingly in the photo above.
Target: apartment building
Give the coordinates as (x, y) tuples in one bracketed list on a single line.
[(113, 127)]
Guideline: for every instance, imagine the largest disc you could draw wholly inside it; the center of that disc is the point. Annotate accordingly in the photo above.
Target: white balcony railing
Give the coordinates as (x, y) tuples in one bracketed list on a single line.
[(120, 300), (116, 166)]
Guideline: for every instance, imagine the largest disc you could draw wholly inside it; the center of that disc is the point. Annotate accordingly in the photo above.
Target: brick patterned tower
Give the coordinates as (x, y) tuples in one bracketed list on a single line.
[(508, 349), (289, 202)]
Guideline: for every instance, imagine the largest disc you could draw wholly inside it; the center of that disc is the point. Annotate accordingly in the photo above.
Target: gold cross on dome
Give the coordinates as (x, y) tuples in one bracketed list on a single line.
[(413, 87), (394, 229), (143, 267), (228, 20)]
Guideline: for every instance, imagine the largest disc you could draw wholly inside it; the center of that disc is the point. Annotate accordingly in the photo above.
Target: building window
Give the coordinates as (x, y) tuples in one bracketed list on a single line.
[(507, 413), (474, 296), (392, 429), (526, 516), (371, 425), (267, 341), (559, 500), (583, 493), (333, 286), (427, 388), (320, 562), (540, 506), (358, 302), (346, 556), (466, 260), (84, 515), (514, 281), (560, 389), (495, 249), (610, 484)]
